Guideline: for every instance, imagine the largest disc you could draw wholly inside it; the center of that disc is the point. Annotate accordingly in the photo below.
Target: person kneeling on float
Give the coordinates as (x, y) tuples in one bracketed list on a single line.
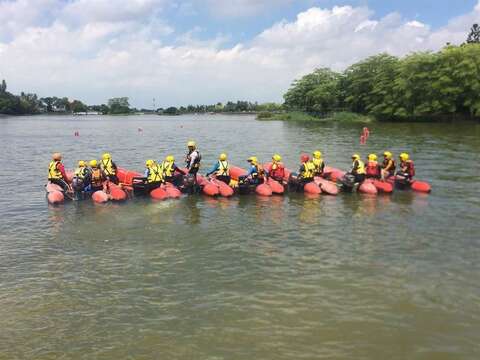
[(109, 168), (153, 175), (358, 169), (407, 168), (193, 159), (221, 169), (318, 162), (277, 170), (256, 173), (388, 165), (81, 178), (171, 172), (372, 170), (306, 172), (97, 177), (56, 172)]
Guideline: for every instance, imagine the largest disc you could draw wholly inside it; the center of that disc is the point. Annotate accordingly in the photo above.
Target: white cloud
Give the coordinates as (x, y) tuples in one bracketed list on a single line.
[(126, 52)]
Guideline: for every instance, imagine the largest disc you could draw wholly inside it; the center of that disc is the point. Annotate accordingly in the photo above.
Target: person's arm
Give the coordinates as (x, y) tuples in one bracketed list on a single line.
[(213, 169), (61, 168), (250, 171), (301, 170), (176, 168), (146, 173)]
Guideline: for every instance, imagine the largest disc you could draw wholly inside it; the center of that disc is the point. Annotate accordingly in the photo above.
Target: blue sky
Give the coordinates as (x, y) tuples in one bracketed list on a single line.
[(204, 51)]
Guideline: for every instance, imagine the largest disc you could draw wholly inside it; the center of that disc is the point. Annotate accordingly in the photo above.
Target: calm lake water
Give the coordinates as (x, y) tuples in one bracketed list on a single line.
[(347, 277)]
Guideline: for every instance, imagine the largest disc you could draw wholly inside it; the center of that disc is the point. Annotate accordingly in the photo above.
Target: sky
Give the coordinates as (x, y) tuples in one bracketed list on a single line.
[(208, 51)]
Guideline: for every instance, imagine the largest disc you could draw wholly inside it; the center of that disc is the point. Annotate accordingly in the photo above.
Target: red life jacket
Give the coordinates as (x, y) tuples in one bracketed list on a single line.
[(408, 167), (277, 171), (372, 169)]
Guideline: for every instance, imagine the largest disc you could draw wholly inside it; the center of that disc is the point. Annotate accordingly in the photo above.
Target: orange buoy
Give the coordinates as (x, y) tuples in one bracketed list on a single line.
[(367, 188), (55, 197), (116, 192), (276, 187), (100, 197), (421, 186), (210, 189), (159, 194), (263, 190), (312, 188), (172, 191), (327, 187)]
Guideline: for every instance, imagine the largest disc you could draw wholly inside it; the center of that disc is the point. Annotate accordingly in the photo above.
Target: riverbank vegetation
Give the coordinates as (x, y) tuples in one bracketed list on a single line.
[(421, 86)]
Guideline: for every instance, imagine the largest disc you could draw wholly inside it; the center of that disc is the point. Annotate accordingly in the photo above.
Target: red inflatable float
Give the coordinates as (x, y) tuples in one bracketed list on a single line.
[(368, 188), (327, 187), (100, 197), (55, 197), (116, 192), (312, 188), (159, 194), (263, 190)]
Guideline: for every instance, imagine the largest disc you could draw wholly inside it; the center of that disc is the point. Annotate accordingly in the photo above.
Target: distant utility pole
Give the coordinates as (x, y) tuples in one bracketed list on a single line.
[(153, 104)]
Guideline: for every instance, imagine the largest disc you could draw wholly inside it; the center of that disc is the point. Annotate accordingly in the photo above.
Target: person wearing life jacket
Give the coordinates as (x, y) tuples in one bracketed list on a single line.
[(81, 177), (97, 177), (306, 172), (109, 168), (193, 158), (407, 168), (372, 169), (153, 175), (277, 170), (171, 172), (318, 162), (256, 173), (358, 169), (56, 172), (388, 165), (221, 169)]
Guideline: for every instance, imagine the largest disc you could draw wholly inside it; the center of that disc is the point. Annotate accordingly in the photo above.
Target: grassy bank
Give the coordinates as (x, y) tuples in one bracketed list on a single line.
[(347, 117)]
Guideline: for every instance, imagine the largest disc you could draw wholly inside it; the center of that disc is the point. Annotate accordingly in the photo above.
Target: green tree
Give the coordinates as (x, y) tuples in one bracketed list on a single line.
[(474, 36), (3, 86)]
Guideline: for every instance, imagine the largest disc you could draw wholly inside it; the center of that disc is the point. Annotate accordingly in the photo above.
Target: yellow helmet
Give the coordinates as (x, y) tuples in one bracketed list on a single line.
[(253, 160), (277, 157), (93, 163), (222, 157), (387, 154), (170, 158), (149, 163), (81, 163), (372, 157), (356, 157), (106, 156), (404, 156), (57, 156), (317, 154), (191, 143)]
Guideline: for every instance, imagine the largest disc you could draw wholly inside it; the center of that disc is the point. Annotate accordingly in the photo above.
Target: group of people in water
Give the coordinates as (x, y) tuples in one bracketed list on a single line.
[(91, 176)]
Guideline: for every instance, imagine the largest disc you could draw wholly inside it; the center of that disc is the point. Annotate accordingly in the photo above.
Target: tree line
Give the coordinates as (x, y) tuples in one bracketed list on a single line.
[(229, 107), (423, 85), (27, 103)]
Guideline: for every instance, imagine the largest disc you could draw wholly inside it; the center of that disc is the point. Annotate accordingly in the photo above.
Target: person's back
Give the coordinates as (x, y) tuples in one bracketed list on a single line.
[(109, 168), (372, 168), (318, 162), (97, 176)]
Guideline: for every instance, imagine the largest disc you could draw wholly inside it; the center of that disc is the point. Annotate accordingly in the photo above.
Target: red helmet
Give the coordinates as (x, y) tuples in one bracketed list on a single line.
[(304, 158)]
